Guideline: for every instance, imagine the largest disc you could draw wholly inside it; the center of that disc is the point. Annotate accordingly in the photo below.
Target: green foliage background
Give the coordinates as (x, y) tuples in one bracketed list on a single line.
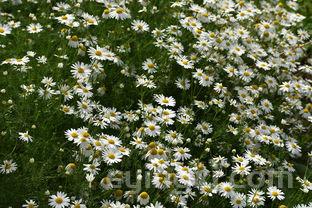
[(32, 180)]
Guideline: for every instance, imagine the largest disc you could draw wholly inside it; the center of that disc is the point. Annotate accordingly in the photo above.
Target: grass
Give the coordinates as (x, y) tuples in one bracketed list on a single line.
[(50, 149)]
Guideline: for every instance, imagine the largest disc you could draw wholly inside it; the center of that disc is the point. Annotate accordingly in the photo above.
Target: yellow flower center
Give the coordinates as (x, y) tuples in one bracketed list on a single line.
[(111, 156), (274, 193), (152, 128), (185, 177), (238, 201), (200, 166), (106, 11), (118, 193), (227, 188), (58, 200), (185, 62), (90, 21), (153, 151), (98, 53), (66, 109), (144, 195), (119, 10), (110, 141), (84, 105), (241, 168), (97, 143), (207, 189), (150, 65), (80, 70), (165, 100), (86, 134), (160, 151), (256, 200), (7, 166), (181, 151), (74, 38), (121, 149), (106, 180)]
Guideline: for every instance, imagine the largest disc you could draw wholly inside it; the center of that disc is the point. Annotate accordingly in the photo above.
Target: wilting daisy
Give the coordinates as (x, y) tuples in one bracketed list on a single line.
[(73, 41), (30, 204), (183, 83), (106, 183), (8, 166), (25, 136), (60, 200), (143, 198), (20, 61), (78, 204), (256, 198), (70, 168), (156, 205)]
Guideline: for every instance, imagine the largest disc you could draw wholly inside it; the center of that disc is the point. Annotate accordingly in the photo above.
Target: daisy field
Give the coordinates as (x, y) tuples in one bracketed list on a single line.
[(155, 103)]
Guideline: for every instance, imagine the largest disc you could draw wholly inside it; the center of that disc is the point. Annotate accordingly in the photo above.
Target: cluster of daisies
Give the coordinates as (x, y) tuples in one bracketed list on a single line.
[(223, 99)]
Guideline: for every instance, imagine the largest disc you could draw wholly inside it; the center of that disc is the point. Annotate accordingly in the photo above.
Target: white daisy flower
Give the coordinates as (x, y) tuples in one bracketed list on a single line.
[(101, 54), (119, 13), (5, 30), (238, 200), (275, 193), (30, 204), (80, 70), (78, 204), (139, 26), (149, 65), (183, 61), (182, 153), (226, 189), (34, 28), (60, 200), (8, 166), (166, 101), (111, 156), (143, 198), (25, 137), (152, 129)]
